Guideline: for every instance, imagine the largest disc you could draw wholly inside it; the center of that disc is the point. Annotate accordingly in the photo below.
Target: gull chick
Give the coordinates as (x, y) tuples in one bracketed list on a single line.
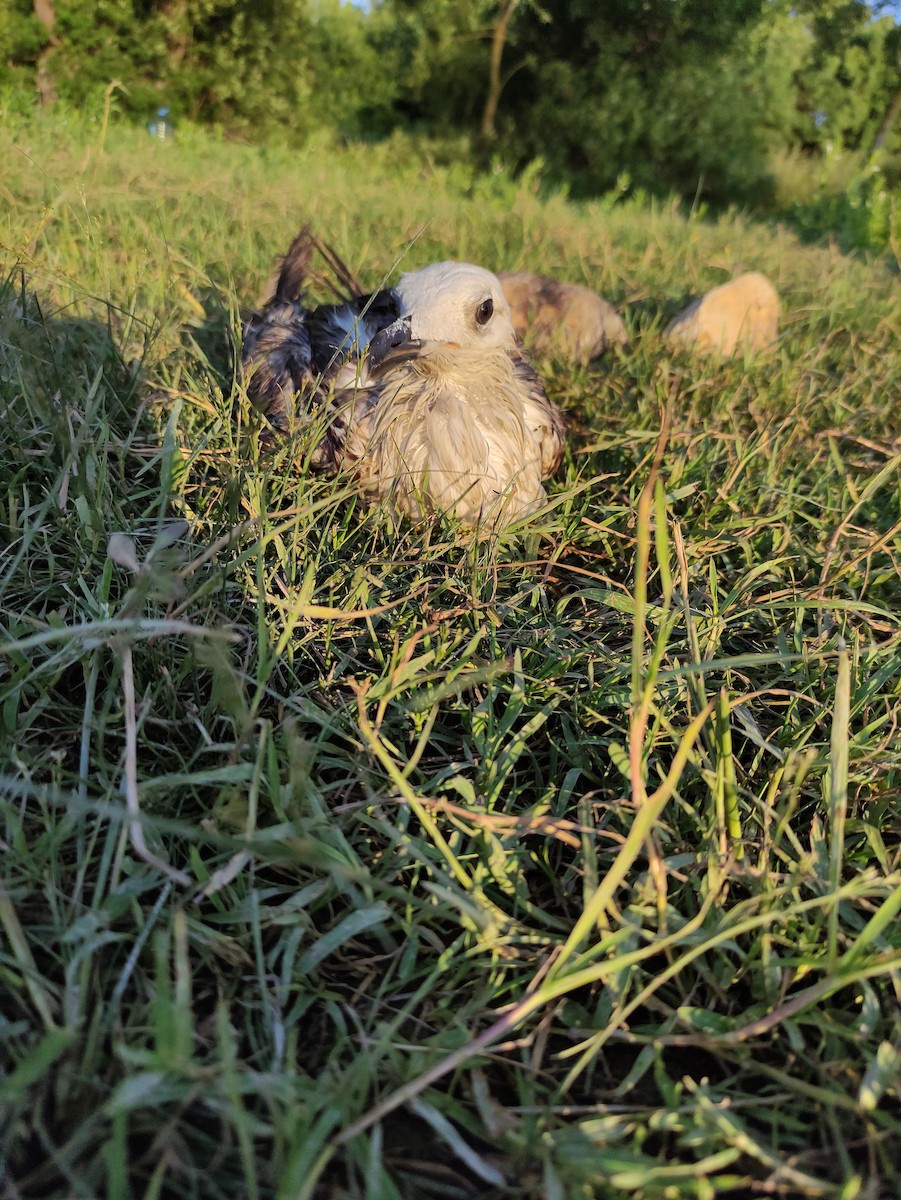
[(454, 418), (428, 400)]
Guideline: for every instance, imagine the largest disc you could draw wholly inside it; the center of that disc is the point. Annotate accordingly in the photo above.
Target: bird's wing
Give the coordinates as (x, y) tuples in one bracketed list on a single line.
[(277, 359), (349, 284), (339, 332), (541, 415), (294, 268), (290, 350), (276, 351)]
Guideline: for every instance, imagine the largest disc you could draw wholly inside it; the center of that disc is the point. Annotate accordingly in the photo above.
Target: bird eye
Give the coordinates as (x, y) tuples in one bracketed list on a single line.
[(485, 312)]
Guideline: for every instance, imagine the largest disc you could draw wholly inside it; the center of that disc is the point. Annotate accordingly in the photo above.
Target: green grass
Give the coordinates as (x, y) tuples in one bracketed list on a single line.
[(345, 861)]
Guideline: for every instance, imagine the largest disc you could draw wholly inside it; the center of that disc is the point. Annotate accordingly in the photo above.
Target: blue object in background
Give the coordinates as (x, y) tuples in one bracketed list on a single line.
[(161, 126)]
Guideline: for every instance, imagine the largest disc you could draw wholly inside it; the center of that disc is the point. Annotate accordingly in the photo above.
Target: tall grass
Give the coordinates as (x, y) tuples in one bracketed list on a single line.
[(348, 860)]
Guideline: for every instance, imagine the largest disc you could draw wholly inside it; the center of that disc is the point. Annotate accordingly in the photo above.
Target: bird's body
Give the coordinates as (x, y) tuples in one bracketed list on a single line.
[(452, 436), (428, 400)]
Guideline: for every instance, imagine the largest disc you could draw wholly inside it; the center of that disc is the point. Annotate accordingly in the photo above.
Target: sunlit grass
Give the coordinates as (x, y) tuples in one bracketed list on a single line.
[(339, 859)]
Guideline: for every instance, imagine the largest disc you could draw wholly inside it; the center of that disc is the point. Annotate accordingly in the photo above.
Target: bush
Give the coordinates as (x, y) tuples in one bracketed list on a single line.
[(866, 215)]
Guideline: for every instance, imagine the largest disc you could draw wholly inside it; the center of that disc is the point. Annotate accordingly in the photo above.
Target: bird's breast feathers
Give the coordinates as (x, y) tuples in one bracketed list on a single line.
[(456, 441)]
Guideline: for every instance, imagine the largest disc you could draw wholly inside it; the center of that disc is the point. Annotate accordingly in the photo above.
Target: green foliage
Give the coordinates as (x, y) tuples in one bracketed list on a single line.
[(693, 103), (559, 866), (264, 70), (713, 102), (865, 215), (21, 34), (97, 44), (598, 129), (648, 88), (210, 60), (847, 79), (356, 63)]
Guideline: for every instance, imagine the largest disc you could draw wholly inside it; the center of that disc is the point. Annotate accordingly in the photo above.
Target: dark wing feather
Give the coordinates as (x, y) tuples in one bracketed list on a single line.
[(277, 352), (291, 353), (341, 271), (277, 359), (342, 331), (294, 268)]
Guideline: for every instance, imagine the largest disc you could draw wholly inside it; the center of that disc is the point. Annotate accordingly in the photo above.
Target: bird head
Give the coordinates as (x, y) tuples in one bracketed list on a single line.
[(447, 309)]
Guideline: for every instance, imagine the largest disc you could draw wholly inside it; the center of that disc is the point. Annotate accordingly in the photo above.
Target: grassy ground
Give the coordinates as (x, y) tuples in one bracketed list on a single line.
[(564, 866)]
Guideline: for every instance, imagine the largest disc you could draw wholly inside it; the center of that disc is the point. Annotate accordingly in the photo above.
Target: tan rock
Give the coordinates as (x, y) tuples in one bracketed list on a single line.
[(734, 318), (562, 318)]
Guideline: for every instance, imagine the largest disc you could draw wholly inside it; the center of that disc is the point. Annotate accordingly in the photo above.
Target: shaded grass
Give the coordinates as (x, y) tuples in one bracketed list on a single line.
[(565, 864)]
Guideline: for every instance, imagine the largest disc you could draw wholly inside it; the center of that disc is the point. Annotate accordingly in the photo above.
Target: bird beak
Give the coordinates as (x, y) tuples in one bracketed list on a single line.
[(393, 344)]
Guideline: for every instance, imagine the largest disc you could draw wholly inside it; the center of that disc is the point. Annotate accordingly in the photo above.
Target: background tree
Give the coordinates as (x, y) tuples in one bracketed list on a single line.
[(23, 38), (646, 88), (710, 100), (848, 81)]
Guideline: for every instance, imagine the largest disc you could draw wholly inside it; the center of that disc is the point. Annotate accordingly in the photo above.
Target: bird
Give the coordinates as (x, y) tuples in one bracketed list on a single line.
[(422, 391), (566, 319)]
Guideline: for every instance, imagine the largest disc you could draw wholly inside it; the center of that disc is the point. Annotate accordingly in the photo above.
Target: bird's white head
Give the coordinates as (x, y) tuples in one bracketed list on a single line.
[(456, 302), (445, 307)]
